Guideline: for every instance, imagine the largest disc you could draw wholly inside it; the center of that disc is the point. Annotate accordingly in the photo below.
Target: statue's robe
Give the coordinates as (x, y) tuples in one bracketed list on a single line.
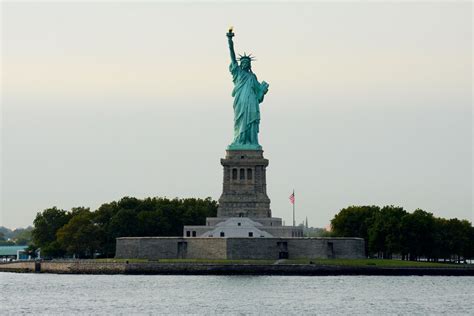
[(248, 93)]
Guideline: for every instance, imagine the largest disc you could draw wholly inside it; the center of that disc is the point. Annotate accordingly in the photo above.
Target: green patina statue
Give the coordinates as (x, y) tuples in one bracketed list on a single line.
[(248, 93)]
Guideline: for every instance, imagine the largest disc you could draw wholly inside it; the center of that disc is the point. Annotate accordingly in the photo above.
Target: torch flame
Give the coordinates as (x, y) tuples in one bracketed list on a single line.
[(231, 29)]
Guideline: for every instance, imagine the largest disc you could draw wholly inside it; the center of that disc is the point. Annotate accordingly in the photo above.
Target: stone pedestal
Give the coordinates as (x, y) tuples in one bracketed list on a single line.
[(245, 188), (244, 207)]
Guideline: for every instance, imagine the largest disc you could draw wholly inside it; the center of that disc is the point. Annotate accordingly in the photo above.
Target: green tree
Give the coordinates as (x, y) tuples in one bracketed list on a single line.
[(459, 242), (385, 232), (418, 232), (354, 221), (81, 235), (23, 236), (4, 241), (469, 249), (46, 224), (392, 230), (103, 217), (152, 223)]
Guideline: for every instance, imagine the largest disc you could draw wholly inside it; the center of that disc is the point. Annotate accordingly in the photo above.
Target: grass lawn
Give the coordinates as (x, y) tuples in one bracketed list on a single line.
[(339, 262)]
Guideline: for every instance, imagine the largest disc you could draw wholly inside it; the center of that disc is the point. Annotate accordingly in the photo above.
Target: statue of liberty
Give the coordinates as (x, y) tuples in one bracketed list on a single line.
[(248, 93)]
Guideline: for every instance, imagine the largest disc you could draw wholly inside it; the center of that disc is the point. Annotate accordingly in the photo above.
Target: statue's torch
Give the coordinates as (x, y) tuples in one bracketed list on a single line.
[(231, 32)]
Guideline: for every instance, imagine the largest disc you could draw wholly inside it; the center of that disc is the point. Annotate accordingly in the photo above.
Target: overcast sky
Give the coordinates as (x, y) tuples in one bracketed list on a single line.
[(368, 104)]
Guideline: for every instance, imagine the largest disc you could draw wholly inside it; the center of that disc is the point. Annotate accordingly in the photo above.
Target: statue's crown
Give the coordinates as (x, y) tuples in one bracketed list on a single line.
[(245, 56)]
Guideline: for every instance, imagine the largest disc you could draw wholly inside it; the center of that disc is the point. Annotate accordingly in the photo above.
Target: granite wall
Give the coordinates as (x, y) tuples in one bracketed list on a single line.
[(238, 248), (68, 266), (95, 267), (170, 248)]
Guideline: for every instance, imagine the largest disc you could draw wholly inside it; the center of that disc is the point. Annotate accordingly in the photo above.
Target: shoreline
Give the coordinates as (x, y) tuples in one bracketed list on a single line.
[(186, 268)]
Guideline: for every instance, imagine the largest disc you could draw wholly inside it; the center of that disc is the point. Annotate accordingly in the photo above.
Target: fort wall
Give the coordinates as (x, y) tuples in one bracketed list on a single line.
[(153, 248)]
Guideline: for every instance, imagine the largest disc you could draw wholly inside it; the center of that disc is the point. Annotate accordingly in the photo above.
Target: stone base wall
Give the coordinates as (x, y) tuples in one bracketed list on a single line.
[(170, 248), (238, 248), (70, 266), (186, 268), (18, 266)]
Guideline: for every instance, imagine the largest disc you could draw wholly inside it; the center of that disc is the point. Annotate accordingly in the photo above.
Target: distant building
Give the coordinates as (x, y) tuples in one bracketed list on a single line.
[(8, 253)]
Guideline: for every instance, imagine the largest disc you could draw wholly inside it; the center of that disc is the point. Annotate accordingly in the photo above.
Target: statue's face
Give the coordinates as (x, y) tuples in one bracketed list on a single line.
[(245, 64)]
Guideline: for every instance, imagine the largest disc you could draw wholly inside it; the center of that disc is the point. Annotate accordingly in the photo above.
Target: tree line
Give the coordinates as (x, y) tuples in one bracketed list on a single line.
[(83, 233), (16, 237), (391, 230)]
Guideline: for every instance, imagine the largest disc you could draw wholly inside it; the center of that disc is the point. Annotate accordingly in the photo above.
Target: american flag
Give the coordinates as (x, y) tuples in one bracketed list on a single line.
[(292, 198)]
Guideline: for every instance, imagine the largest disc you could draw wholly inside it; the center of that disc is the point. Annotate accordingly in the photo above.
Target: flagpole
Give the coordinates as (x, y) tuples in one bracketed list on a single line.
[(294, 200)]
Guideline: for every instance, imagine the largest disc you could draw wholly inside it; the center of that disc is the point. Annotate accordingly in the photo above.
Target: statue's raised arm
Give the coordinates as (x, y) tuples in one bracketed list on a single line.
[(231, 34)]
